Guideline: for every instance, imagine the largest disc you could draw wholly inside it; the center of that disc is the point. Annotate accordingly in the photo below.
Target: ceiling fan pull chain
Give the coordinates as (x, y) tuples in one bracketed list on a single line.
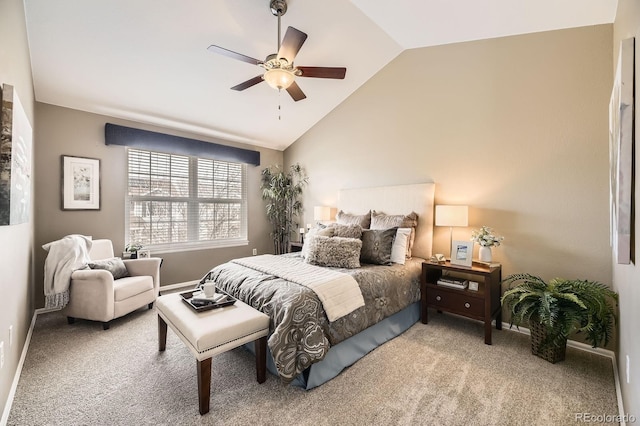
[(279, 108)]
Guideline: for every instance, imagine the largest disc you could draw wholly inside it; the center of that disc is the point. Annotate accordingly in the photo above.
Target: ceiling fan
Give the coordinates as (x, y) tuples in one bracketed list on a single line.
[(280, 72)]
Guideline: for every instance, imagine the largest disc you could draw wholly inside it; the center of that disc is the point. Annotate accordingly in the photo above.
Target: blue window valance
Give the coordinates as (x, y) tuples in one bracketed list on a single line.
[(145, 139)]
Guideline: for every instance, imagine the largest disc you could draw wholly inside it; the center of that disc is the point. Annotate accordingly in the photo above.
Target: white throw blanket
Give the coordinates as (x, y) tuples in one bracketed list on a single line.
[(65, 256), (338, 292)]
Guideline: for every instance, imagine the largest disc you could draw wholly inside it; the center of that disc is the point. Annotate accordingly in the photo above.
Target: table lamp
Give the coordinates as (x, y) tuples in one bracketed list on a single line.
[(321, 213), (452, 216)]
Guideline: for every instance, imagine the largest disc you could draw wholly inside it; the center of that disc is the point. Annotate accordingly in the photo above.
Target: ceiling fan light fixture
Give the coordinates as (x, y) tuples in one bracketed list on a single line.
[(279, 78)]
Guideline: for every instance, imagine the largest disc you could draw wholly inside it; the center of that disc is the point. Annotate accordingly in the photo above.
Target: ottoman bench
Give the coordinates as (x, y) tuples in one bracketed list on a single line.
[(213, 332)]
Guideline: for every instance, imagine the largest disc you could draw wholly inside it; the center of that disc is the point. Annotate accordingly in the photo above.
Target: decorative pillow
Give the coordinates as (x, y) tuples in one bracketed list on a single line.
[(363, 220), (346, 231), (319, 230), (337, 252), (381, 220), (376, 246), (115, 265), (400, 243)]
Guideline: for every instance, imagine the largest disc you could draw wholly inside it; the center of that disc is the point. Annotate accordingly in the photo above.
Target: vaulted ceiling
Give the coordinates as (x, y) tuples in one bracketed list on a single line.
[(147, 60)]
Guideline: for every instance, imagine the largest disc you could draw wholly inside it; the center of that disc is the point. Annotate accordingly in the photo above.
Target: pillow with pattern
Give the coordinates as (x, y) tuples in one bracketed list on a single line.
[(376, 246), (381, 220), (346, 231), (336, 252), (322, 230), (364, 220), (115, 265)]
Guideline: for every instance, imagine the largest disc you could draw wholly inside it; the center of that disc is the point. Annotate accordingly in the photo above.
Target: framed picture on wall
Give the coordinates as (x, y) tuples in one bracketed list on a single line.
[(462, 253), (80, 183), (16, 137), (621, 148)]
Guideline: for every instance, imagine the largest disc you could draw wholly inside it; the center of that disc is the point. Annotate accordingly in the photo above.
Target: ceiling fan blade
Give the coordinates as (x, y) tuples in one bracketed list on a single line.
[(248, 83), (323, 72), (291, 44), (295, 92), (232, 54)]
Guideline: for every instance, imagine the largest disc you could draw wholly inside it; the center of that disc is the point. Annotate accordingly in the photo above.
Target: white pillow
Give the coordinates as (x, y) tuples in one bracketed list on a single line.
[(399, 248)]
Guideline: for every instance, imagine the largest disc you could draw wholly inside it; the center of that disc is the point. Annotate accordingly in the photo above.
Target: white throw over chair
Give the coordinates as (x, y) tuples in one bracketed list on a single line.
[(95, 295)]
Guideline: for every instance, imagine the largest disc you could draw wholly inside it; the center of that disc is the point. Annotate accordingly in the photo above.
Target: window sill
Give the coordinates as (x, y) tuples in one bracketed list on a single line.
[(194, 247)]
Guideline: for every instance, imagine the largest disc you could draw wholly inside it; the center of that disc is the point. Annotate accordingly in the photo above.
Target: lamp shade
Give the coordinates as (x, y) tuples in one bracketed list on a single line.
[(279, 78), (322, 213), (452, 215)]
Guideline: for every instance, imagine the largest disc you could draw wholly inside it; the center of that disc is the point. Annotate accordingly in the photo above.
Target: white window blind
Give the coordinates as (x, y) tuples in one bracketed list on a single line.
[(177, 202)]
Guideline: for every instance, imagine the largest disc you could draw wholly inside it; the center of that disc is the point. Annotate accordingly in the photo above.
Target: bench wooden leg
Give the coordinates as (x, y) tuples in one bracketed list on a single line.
[(261, 359), (162, 334), (204, 385)]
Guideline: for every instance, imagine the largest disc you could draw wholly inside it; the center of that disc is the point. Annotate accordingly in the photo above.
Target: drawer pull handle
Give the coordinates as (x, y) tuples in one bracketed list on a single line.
[(467, 305), (438, 298)]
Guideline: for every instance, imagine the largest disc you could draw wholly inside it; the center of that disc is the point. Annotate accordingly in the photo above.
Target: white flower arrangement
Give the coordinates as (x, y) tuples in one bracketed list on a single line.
[(484, 236), (133, 247)]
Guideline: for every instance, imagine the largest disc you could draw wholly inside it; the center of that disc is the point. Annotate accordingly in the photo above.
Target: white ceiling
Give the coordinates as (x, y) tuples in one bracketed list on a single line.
[(147, 60)]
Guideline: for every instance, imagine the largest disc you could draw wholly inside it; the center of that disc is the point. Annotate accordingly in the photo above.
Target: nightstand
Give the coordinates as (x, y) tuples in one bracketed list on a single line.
[(295, 246), (483, 304)]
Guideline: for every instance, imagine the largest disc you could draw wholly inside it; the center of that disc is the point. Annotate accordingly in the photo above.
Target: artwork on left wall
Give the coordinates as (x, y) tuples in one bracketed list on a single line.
[(15, 159), (621, 142)]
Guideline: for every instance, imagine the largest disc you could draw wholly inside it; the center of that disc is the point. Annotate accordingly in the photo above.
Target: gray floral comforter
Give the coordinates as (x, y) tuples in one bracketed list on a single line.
[(301, 334)]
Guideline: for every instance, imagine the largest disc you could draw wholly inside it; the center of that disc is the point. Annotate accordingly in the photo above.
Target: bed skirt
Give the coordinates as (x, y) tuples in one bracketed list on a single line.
[(349, 351)]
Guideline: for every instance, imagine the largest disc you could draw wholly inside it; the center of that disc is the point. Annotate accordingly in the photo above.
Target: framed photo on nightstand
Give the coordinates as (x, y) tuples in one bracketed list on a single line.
[(462, 253), (144, 254)]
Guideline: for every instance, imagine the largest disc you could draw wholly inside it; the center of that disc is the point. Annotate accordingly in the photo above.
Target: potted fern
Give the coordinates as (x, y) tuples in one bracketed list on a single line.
[(556, 309), (282, 191)]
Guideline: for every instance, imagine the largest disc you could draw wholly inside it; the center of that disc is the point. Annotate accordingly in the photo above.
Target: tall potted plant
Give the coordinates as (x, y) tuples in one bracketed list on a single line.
[(282, 191), (556, 309)]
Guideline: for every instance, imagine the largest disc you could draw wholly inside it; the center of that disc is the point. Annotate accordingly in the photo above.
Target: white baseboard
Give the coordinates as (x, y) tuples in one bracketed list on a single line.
[(587, 348), (186, 284), (16, 377)]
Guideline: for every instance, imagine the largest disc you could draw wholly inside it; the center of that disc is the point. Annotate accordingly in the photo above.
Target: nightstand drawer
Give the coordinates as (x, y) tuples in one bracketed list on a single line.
[(455, 302)]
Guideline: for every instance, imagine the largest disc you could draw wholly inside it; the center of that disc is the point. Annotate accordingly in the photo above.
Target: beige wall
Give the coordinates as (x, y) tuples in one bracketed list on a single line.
[(514, 127), (16, 241), (626, 278), (70, 132)]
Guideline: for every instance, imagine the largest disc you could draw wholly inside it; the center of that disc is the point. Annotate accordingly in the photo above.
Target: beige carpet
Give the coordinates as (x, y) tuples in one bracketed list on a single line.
[(436, 374)]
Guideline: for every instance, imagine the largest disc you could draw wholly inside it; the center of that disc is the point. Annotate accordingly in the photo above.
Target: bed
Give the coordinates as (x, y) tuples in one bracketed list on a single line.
[(306, 348)]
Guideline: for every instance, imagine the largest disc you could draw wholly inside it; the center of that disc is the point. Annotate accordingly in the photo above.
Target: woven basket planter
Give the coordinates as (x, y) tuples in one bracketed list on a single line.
[(548, 352)]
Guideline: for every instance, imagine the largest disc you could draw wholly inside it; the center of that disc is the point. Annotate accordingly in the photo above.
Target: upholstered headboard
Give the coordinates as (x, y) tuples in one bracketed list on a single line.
[(398, 199)]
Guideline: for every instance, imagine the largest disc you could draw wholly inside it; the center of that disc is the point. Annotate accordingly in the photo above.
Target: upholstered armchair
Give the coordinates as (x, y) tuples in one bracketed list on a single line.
[(95, 295)]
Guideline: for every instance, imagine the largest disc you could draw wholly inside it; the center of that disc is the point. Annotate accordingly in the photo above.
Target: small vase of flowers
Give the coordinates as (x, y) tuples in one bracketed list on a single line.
[(486, 239), (133, 248)]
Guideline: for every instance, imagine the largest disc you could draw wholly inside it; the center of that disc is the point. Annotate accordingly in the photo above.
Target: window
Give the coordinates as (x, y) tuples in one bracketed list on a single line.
[(184, 202)]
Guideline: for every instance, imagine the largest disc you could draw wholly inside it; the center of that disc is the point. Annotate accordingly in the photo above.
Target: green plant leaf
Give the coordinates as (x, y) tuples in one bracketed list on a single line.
[(563, 306), (281, 191)]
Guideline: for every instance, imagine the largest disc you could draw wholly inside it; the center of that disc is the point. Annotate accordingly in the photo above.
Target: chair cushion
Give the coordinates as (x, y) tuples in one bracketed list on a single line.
[(125, 288)]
